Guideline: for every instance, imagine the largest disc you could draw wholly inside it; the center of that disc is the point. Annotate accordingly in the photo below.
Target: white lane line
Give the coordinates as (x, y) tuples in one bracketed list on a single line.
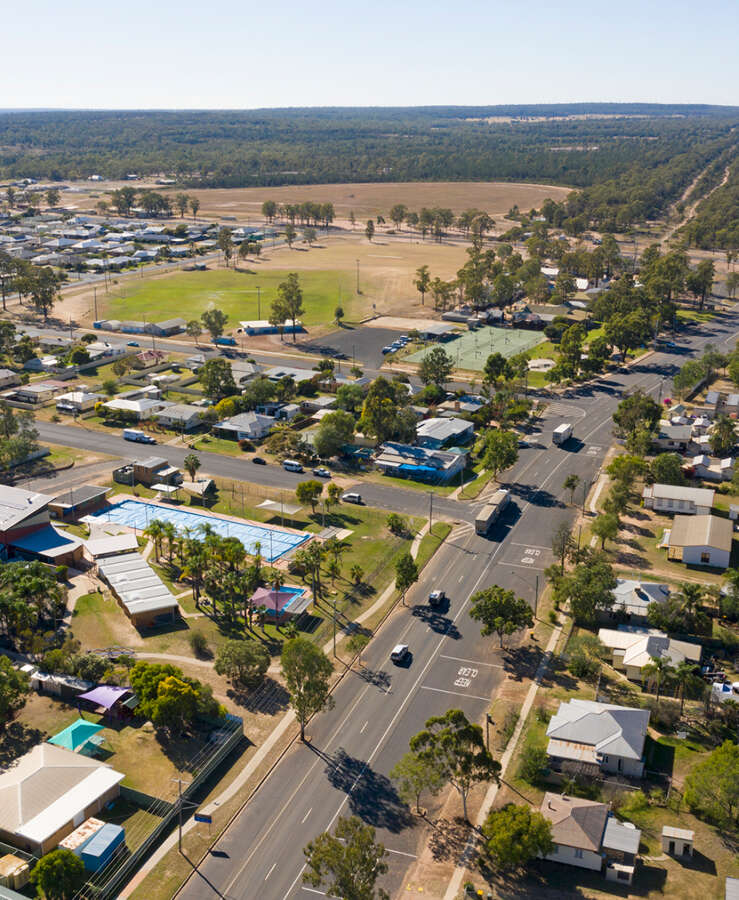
[(473, 661), (532, 546), (425, 687), (401, 853), (361, 730), (274, 866), (306, 815), (461, 578), (519, 566), (313, 891)]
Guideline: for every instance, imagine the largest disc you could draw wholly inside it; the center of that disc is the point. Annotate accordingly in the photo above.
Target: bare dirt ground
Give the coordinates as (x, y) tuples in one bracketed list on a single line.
[(387, 268), (367, 200)]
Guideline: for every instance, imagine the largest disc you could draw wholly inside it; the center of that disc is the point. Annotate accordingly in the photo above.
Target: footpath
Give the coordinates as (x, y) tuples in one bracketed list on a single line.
[(266, 748)]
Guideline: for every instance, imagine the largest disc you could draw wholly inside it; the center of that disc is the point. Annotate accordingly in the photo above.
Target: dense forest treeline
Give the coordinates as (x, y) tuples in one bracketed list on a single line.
[(715, 225), (629, 160)]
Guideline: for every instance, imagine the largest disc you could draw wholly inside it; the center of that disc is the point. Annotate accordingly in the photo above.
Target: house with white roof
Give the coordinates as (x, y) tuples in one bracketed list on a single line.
[(141, 409), (634, 648), (47, 793), (439, 432), (585, 736)]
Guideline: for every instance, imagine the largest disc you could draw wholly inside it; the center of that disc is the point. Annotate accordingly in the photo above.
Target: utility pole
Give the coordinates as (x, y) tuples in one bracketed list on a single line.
[(334, 617), (357, 276), (259, 302), (95, 300), (431, 508), (488, 723)]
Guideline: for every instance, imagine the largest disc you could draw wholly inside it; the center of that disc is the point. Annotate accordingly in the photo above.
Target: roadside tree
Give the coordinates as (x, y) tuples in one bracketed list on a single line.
[(335, 431), (500, 450), (348, 863), (309, 492), (406, 574), (415, 774), (307, 672), (500, 612), (191, 464), (226, 244), (455, 748), (288, 305), (667, 468), (214, 321), (605, 527)]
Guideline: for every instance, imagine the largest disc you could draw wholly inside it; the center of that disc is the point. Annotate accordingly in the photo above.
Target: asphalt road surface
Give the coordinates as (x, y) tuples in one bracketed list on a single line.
[(354, 746), (345, 769)]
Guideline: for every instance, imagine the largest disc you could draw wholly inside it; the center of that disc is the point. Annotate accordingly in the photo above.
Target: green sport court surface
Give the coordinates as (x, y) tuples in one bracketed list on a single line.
[(471, 349)]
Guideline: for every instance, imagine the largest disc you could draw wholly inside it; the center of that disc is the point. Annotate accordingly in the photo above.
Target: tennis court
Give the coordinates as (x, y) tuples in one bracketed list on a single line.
[(471, 349), (275, 542)]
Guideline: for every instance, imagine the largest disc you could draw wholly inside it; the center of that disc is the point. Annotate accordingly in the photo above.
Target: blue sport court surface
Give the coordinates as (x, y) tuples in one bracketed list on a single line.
[(275, 542)]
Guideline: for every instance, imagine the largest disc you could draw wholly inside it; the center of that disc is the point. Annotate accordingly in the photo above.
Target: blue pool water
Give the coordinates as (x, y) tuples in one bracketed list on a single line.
[(138, 514)]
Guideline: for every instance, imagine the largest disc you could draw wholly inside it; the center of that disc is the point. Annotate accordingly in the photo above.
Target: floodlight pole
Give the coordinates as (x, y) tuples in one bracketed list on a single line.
[(259, 303)]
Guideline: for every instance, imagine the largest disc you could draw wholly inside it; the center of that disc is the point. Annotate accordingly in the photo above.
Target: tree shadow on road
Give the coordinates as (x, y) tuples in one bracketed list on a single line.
[(437, 622), (371, 796)]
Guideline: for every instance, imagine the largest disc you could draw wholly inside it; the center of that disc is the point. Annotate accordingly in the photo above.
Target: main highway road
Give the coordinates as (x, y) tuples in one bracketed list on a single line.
[(353, 747)]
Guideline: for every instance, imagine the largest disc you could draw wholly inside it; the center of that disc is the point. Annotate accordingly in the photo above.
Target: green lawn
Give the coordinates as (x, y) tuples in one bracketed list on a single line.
[(189, 294)]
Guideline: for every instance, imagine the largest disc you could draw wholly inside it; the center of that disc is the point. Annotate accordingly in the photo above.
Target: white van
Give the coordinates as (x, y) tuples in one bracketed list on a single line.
[(352, 497), (292, 465)]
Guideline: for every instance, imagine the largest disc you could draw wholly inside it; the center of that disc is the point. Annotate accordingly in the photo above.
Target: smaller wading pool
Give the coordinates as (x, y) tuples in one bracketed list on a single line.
[(275, 542)]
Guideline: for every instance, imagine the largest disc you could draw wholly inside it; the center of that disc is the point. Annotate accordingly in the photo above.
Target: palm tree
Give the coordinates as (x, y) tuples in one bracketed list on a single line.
[(691, 597), (191, 464), (170, 533), (356, 573), (155, 531), (684, 674), (570, 484), (277, 579), (658, 670)]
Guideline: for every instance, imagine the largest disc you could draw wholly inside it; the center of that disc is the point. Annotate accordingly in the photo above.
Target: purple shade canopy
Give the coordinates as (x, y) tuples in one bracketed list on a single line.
[(105, 695), (274, 600)]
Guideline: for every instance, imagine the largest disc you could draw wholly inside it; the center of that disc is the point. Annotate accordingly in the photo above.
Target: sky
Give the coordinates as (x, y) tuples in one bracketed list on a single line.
[(231, 54)]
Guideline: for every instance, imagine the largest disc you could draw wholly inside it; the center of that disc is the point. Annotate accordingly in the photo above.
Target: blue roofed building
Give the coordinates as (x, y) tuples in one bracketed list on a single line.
[(420, 463)]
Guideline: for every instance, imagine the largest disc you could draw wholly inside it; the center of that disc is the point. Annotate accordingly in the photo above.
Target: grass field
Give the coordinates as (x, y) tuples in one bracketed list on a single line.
[(188, 294), (365, 200)]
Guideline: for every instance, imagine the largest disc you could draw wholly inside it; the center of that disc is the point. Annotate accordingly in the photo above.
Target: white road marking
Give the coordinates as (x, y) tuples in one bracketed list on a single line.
[(474, 662), (401, 853), (274, 866), (361, 730), (425, 687), (461, 579), (529, 546), (306, 815)]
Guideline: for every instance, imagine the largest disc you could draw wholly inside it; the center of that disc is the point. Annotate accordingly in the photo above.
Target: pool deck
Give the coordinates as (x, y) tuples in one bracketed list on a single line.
[(201, 511)]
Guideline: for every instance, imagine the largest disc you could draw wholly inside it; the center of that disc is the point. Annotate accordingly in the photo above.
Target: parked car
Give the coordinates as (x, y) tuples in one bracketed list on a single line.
[(258, 461), (352, 497), (132, 344), (322, 472), (437, 598), (387, 349)]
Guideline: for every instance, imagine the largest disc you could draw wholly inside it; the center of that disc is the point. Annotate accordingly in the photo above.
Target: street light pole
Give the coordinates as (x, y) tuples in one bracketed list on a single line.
[(259, 303), (357, 276), (431, 508), (488, 723)]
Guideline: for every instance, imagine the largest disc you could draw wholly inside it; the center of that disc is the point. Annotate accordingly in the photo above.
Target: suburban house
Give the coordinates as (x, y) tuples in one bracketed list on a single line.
[(631, 599), (41, 364), (592, 737), (634, 648), (587, 835), (439, 432), (419, 463), (49, 792), (77, 402), (155, 470), (702, 540), (39, 392), (250, 426), (8, 378), (140, 409), (140, 592), (312, 405), (731, 405), (702, 466), (672, 498), (673, 437), (182, 416), (71, 505)]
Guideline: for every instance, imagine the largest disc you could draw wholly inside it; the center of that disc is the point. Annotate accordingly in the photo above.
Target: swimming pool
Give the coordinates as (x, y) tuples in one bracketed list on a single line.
[(275, 542)]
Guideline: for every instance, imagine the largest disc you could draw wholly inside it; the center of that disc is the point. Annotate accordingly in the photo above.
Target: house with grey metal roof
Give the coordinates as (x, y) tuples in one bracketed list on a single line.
[(701, 541), (674, 498), (439, 432), (673, 437), (592, 737), (631, 599), (634, 648)]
